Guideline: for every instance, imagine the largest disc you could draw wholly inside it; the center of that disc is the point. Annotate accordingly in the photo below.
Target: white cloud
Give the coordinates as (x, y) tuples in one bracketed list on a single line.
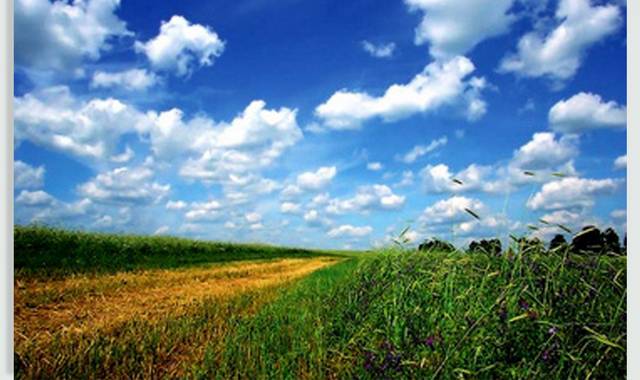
[(253, 217), (130, 80), (163, 230), (544, 151), (180, 46), (26, 176), (256, 226), (586, 111), (451, 210), (59, 35), (457, 26), (420, 150), (438, 178), (34, 198), (251, 141), (53, 118), (203, 212), (406, 180), (317, 180), (124, 185), (350, 231), (571, 192), (311, 216), (367, 198), (620, 162), (440, 83), (374, 166), (290, 191), (123, 157), (559, 53), (619, 214), (379, 51), (176, 205), (289, 208)]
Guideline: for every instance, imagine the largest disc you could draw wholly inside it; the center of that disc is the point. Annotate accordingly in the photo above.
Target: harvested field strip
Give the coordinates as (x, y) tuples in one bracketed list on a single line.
[(80, 304)]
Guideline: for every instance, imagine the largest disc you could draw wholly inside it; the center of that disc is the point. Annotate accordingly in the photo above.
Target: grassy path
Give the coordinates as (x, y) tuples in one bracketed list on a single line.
[(58, 317)]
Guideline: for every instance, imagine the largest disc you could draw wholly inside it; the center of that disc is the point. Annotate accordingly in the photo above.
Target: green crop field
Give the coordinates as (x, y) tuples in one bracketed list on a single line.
[(106, 306)]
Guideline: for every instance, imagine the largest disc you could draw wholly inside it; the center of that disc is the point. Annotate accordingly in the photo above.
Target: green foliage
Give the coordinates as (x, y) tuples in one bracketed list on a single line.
[(429, 314), (55, 252)]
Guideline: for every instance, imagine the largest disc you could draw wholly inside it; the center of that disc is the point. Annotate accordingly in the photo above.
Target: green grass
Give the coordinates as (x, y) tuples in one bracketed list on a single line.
[(424, 315), (43, 251)]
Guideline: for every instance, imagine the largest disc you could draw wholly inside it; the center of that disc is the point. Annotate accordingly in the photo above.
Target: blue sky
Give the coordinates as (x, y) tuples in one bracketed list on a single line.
[(325, 124)]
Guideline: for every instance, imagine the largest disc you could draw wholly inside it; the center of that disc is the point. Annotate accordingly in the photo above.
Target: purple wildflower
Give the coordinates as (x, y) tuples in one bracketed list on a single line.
[(523, 304)]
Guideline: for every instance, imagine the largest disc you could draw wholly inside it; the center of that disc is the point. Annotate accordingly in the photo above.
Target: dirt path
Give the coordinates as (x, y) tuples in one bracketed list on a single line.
[(85, 303)]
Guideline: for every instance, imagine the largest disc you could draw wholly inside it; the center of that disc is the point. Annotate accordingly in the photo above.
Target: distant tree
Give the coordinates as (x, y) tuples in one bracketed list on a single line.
[(557, 241), (490, 247), (589, 240), (436, 245), (611, 241)]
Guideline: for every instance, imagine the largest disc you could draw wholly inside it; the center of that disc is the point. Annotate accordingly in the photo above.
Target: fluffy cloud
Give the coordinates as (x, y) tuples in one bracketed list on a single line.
[(586, 111), (131, 80), (226, 152), (374, 166), (451, 210), (253, 217), (162, 230), (456, 27), (544, 151), (26, 176), (34, 198), (367, 198), (124, 185), (571, 192), (350, 231), (203, 212), (59, 35), (558, 54), (289, 208), (438, 178), (379, 51), (420, 150), (439, 84), (620, 162), (180, 46), (176, 205), (53, 118), (619, 214), (316, 180)]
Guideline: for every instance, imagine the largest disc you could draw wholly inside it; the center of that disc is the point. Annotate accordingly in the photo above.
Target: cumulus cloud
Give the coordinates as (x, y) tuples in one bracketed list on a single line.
[(181, 46), (200, 212), (34, 198), (620, 162), (124, 185), (544, 151), (586, 111), (379, 51), (289, 208), (253, 217), (420, 150), (451, 210), (619, 214), (571, 192), (558, 53), (54, 118), (222, 152), (26, 176), (374, 166), (317, 180), (439, 84), (176, 205), (163, 230), (350, 231), (366, 199), (438, 178), (130, 80), (59, 35), (456, 27)]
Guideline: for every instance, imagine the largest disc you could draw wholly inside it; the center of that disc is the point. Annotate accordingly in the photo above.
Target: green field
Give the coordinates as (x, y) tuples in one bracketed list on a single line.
[(291, 314)]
